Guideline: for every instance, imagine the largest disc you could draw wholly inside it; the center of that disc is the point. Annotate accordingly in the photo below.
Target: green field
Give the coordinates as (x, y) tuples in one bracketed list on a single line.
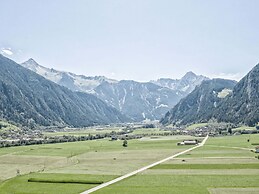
[(179, 184), (224, 164), (207, 166), (221, 166), (244, 128), (93, 131), (194, 126), (84, 132), (7, 126), (149, 131), (89, 158), (20, 184)]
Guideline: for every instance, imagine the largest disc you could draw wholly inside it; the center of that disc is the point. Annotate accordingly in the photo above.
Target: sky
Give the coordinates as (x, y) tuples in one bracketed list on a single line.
[(139, 40)]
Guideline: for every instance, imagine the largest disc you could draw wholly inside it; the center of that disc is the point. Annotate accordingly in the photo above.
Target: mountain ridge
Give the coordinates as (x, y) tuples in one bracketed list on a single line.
[(242, 105), (238, 105), (113, 92), (70, 80), (199, 105), (30, 99), (186, 84)]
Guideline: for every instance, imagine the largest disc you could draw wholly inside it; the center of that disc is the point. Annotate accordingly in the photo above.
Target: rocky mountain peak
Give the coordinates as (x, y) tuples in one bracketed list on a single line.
[(189, 75), (30, 62)]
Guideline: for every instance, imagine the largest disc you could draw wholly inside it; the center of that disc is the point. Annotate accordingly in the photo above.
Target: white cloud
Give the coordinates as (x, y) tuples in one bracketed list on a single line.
[(6, 51), (232, 76)]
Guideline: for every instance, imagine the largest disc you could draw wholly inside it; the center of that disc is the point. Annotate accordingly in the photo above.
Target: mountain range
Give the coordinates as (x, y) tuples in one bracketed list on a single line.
[(220, 100), (29, 99), (137, 100), (185, 85), (31, 94)]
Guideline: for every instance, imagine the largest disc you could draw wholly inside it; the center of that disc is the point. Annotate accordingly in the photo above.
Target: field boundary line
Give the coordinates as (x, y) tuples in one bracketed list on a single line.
[(240, 148), (143, 168)]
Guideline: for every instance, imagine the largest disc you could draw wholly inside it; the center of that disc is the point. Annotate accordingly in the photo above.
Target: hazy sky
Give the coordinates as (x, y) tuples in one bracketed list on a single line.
[(134, 39)]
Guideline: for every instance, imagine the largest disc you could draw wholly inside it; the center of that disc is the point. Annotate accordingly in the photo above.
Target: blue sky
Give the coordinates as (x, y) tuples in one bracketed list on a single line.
[(134, 39)]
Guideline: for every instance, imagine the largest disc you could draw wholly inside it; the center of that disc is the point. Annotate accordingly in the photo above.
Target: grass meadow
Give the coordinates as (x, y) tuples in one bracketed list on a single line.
[(87, 158), (223, 165), (84, 132)]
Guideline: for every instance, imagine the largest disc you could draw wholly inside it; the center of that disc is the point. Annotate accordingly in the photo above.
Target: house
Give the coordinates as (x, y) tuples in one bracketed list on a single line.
[(114, 138)]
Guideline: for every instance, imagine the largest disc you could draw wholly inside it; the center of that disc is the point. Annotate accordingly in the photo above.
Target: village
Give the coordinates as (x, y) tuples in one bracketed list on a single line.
[(16, 136)]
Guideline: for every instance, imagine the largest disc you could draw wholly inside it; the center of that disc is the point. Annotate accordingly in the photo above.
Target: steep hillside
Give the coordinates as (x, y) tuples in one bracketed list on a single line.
[(242, 105), (201, 103), (29, 99)]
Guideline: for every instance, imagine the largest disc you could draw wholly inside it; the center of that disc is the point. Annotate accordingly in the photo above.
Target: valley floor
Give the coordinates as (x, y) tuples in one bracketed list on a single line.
[(222, 165)]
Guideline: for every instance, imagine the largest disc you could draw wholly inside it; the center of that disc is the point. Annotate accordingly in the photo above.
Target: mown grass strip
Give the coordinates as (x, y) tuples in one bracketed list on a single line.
[(39, 180), (207, 166)]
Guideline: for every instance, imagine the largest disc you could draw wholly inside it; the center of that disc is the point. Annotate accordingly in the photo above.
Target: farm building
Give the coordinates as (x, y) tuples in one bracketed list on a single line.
[(188, 142)]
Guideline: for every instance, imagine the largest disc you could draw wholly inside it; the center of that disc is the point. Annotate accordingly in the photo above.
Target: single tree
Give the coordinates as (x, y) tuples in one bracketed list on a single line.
[(17, 172), (125, 143)]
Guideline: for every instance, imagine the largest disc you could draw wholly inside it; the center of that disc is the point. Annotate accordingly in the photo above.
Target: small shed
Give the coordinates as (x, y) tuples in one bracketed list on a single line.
[(257, 149)]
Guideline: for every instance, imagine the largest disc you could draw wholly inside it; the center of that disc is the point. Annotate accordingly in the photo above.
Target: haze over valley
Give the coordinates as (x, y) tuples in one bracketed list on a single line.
[(129, 97)]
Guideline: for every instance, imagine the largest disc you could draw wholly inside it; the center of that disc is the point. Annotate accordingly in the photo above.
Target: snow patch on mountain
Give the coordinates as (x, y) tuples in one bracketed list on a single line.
[(162, 105), (72, 81)]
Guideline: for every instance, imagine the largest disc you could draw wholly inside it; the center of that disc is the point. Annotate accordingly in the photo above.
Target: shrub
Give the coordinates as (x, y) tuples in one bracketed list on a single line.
[(38, 180)]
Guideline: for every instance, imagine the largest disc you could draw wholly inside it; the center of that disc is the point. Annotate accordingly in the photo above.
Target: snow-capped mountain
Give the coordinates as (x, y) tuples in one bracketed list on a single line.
[(139, 101), (72, 81), (185, 85)]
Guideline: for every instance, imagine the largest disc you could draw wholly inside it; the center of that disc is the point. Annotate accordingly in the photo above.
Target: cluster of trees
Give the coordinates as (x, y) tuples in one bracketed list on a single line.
[(50, 140), (149, 126), (2, 126), (62, 139)]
